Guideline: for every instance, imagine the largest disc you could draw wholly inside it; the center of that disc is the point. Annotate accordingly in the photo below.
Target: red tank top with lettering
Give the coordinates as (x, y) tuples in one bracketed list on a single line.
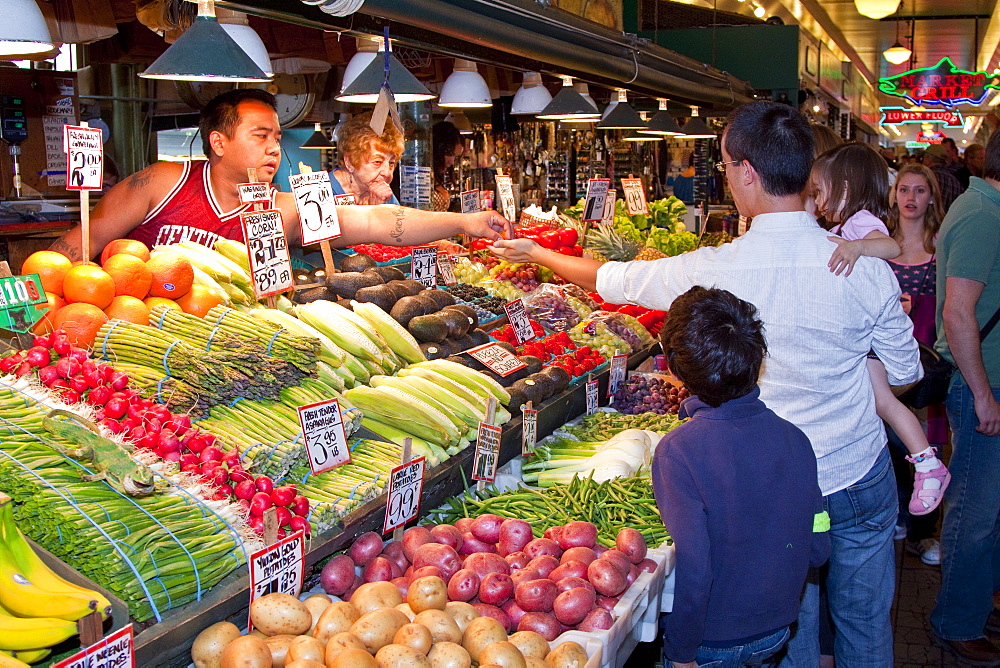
[(190, 212)]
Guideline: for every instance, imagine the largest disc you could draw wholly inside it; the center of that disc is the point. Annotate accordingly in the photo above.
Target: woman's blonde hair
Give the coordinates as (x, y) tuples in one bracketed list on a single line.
[(356, 140), (934, 215)]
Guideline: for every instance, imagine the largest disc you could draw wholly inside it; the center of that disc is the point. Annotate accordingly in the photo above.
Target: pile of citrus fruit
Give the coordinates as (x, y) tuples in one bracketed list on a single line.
[(126, 285)]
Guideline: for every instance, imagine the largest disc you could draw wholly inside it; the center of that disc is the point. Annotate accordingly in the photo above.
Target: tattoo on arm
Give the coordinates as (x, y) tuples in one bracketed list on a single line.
[(69, 250), (397, 230), (140, 179)]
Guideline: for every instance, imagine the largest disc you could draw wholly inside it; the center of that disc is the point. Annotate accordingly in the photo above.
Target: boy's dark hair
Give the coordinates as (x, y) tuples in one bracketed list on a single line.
[(857, 179), (991, 165), (714, 343), (221, 112), (777, 140)]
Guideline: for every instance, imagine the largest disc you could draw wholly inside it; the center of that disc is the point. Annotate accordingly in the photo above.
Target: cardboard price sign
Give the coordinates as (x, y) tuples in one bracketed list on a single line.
[(278, 568), (529, 431), (19, 295), (592, 398), (268, 251), (115, 651), (519, 322), (597, 194), (316, 206), (635, 196), (470, 201), (619, 369), (323, 431), (255, 193), (609, 208), (484, 466), (446, 269), (406, 482), (423, 265), (84, 158), (499, 360), (343, 200), (505, 190)]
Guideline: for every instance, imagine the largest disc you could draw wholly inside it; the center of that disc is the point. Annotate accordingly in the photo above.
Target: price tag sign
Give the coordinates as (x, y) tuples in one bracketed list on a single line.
[(635, 196), (423, 265), (344, 200), (609, 208), (85, 158), (529, 431), (406, 482), (619, 369), (255, 193), (505, 190), (19, 295), (278, 569), (470, 201), (519, 321), (484, 465), (741, 227), (323, 431), (592, 396), (597, 194), (117, 650), (446, 269), (268, 251), (316, 206), (499, 360)]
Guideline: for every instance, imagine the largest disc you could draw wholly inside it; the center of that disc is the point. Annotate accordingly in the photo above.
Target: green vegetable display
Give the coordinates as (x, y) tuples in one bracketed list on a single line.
[(601, 426), (671, 243)]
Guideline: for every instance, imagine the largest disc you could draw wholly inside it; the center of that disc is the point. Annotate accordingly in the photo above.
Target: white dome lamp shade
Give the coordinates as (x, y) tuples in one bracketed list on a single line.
[(531, 97), (368, 48), (568, 104), (24, 32), (465, 88), (876, 9), (897, 54), (236, 26)]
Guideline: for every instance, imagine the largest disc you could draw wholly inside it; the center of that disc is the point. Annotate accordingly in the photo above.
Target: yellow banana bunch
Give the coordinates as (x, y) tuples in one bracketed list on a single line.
[(32, 633), (8, 661), (31, 655)]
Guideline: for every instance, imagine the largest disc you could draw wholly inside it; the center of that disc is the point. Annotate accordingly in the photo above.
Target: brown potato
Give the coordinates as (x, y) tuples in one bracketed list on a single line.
[(275, 614), (530, 644), (279, 648), (532, 662), (306, 647), (376, 595), (406, 610), (339, 643), (337, 618), (206, 652), (482, 631), (442, 627), (377, 628), (567, 655), (246, 652), (400, 656), (304, 663), (502, 654), (461, 612), (429, 593), (353, 658), (416, 636), (316, 604), (449, 655)]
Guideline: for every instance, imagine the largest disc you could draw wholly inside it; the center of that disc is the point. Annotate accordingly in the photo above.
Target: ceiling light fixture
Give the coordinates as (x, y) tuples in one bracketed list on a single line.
[(662, 123), (759, 12), (465, 88), (623, 116), (567, 104), (366, 87), (636, 136), (238, 27), (531, 97), (317, 139), (896, 130), (897, 54), (695, 128), (583, 89), (368, 49), (25, 30), (876, 9), (460, 121)]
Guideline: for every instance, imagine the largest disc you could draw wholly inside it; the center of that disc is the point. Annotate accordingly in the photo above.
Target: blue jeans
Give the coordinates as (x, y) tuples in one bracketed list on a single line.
[(862, 578), (970, 533), (751, 654)]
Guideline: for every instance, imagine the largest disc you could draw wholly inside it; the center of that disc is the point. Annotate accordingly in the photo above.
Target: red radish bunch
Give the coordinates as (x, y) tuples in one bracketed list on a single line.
[(259, 494)]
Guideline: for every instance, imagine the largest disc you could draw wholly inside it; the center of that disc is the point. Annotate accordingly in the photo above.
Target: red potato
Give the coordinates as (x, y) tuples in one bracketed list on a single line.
[(517, 560), (392, 549), (541, 623), (570, 607), (413, 538), (423, 572), (514, 535), (463, 524), (619, 559), (354, 586), (596, 620), (496, 613), (378, 569), (365, 547), (553, 533), (436, 554), (573, 582), (463, 585), (631, 543), (544, 564), (513, 611), (607, 602), (542, 546), (575, 569), (471, 544), (403, 585), (523, 575), (584, 554), (599, 550), (647, 565), (484, 563), (578, 534), (446, 534), (496, 588), (337, 575), (536, 595), (606, 578), (487, 528), (632, 574), (398, 562)]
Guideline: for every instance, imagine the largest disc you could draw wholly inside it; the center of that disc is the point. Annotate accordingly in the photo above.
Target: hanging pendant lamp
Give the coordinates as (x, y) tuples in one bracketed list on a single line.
[(622, 117), (368, 50), (897, 54), (662, 123), (317, 139), (465, 88), (695, 128), (567, 104), (638, 136), (366, 87), (876, 9), (24, 32), (531, 97)]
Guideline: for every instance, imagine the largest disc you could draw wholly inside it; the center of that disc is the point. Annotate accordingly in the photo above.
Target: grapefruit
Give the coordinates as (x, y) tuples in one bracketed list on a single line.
[(90, 284), (130, 274), (80, 322), (126, 246), (172, 274), (54, 303), (199, 300), (51, 268), (128, 309), (151, 302)]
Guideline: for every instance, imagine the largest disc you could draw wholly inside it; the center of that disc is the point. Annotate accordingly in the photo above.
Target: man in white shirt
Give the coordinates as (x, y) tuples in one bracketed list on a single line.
[(819, 329)]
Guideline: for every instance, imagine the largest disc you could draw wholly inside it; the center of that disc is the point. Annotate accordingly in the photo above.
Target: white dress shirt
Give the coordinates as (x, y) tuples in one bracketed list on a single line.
[(819, 328)]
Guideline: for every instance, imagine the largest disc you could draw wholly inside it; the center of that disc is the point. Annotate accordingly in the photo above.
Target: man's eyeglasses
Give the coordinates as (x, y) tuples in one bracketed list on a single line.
[(721, 166)]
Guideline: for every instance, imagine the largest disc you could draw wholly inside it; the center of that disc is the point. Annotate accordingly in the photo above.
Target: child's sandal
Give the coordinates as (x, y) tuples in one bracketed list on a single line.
[(925, 500)]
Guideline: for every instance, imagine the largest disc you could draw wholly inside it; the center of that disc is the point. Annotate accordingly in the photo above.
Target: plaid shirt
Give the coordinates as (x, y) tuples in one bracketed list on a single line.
[(950, 186)]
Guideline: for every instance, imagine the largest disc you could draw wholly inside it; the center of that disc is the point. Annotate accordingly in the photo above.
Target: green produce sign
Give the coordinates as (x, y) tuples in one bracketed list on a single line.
[(19, 296)]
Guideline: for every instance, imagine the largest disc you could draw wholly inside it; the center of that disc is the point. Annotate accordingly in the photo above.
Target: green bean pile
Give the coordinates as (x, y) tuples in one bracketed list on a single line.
[(602, 425)]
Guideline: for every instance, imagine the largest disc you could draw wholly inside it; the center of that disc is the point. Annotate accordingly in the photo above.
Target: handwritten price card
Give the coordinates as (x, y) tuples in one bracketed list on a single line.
[(484, 465), (278, 569), (499, 360), (592, 397), (423, 265), (519, 321), (529, 431), (85, 158), (316, 206), (268, 251), (406, 482), (505, 191), (470, 201), (115, 651), (635, 196), (597, 194), (609, 208), (446, 268), (255, 193), (343, 200), (323, 431)]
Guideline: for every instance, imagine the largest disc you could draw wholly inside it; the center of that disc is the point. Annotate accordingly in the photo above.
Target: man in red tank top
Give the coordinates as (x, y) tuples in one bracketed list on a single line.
[(168, 202)]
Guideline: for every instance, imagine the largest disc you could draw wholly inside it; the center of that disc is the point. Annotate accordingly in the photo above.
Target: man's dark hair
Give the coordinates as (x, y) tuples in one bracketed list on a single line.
[(948, 141), (991, 166), (221, 112), (445, 136), (714, 343), (776, 140)]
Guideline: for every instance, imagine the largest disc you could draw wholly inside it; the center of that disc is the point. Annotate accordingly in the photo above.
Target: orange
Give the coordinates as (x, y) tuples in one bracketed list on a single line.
[(80, 322), (172, 274), (150, 302), (130, 274), (199, 300), (50, 266), (126, 246), (128, 309), (89, 283), (54, 303)]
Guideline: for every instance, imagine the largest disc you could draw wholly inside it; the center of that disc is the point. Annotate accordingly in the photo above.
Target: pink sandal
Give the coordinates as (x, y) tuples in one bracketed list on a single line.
[(924, 500)]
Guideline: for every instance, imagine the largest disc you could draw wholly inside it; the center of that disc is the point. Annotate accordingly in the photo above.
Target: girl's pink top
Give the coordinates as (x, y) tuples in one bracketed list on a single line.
[(859, 226)]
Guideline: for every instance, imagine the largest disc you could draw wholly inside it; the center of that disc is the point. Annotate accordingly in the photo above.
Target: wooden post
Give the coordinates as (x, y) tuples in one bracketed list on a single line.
[(397, 533), (91, 629), (270, 526)]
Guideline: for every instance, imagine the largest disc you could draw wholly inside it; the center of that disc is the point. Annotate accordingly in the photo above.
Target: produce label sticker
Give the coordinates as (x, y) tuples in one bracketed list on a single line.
[(592, 399), (529, 431), (597, 194), (446, 269), (470, 201), (323, 431), (19, 296), (254, 193), (85, 158), (423, 265), (484, 466), (114, 651), (609, 208), (635, 196), (406, 482), (499, 360), (278, 569), (345, 199), (519, 322), (268, 251), (316, 206), (505, 190), (619, 369)]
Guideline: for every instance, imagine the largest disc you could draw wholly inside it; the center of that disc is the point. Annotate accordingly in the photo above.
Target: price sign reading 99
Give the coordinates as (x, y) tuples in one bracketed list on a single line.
[(278, 569), (406, 482), (316, 206), (268, 251), (635, 196), (85, 158)]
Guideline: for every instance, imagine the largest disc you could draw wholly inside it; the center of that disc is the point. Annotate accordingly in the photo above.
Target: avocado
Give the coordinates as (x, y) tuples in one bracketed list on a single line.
[(517, 399), (312, 294), (428, 305), (547, 387), (467, 310), (406, 309), (428, 328), (442, 298), (346, 303), (415, 287), (357, 262), (389, 273), (479, 336), (432, 351), (458, 323), (559, 375), (449, 347), (380, 295), (529, 389), (347, 283), (398, 289), (465, 342), (508, 347), (459, 359), (534, 364)]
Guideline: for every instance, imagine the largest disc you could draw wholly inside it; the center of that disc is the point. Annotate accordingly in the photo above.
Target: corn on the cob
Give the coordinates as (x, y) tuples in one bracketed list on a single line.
[(236, 274), (235, 252), (479, 382), (342, 331), (404, 413), (206, 281), (398, 338), (329, 351)]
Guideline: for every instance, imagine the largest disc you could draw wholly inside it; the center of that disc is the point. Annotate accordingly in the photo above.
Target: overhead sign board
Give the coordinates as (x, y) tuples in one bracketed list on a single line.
[(943, 84), (900, 116)]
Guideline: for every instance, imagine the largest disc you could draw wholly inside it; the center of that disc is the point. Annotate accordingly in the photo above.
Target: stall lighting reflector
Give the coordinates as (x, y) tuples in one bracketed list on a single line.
[(368, 49), (876, 9), (568, 104), (897, 54), (622, 117), (583, 88), (662, 123), (24, 32), (465, 88), (317, 139), (236, 26), (366, 87), (531, 97)]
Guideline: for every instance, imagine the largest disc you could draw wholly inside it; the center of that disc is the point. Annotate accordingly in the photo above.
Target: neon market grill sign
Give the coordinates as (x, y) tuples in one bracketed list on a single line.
[(942, 84)]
